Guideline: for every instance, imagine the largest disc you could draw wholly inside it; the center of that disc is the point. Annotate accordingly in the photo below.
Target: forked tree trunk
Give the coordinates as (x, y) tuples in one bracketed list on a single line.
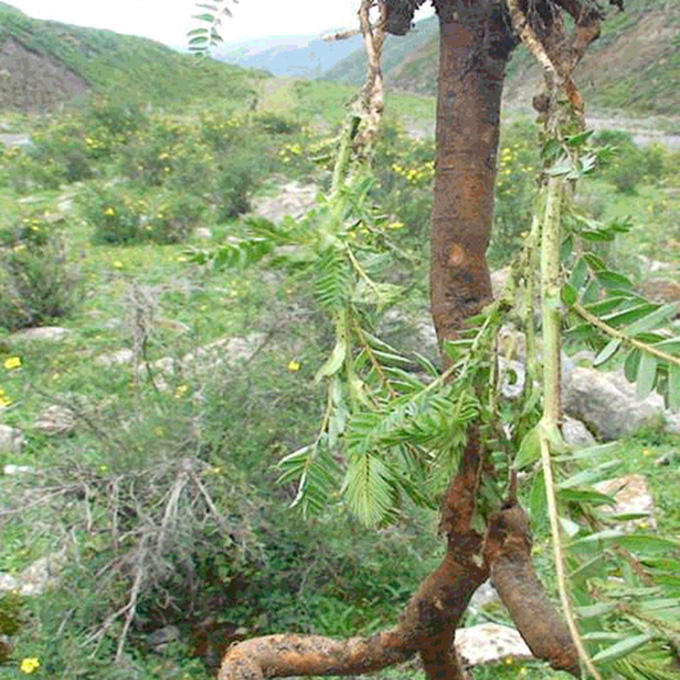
[(475, 45)]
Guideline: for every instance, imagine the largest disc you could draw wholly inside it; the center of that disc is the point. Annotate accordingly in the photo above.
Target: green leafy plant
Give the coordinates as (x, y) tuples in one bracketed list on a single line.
[(39, 281)]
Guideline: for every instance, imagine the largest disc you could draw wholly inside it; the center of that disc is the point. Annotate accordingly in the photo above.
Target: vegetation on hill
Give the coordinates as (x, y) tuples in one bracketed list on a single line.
[(104, 62), (645, 81)]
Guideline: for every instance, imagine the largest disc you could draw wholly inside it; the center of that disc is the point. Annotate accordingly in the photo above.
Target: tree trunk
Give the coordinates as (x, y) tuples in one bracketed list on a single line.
[(475, 44)]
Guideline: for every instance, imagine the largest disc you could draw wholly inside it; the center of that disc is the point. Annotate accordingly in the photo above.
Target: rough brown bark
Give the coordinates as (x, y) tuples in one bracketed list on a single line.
[(507, 551), (474, 47)]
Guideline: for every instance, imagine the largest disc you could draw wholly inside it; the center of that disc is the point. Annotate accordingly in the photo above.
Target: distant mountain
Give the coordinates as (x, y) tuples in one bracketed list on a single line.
[(634, 66), (303, 56), (398, 50), (46, 63)]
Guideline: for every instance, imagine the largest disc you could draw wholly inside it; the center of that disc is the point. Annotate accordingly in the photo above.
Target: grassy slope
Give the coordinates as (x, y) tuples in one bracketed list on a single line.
[(635, 65), (131, 67)]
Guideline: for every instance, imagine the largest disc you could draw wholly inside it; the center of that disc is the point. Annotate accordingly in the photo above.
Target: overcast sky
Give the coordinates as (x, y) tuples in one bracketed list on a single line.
[(168, 20)]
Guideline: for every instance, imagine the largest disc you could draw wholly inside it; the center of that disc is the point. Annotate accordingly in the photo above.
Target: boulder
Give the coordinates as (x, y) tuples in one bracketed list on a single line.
[(606, 403), (36, 578)]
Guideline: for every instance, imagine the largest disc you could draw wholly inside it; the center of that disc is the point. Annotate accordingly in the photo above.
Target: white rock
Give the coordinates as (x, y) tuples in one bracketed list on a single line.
[(8, 583), (47, 333), (225, 350), (11, 469), (42, 574), (11, 439), (499, 280), (293, 199), (490, 643)]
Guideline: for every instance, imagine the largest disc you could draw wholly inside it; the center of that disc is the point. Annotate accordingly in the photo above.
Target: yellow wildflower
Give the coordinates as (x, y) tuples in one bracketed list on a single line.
[(110, 212), (12, 362), (293, 365), (181, 391), (118, 264), (645, 452), (29, 665)]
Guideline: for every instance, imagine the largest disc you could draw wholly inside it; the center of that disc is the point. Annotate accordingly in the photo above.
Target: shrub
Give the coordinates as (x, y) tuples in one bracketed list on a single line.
[(120, 214), (515, 191), (172, 217), (115, 217), (626, 169), (38, 282), (405, 169)]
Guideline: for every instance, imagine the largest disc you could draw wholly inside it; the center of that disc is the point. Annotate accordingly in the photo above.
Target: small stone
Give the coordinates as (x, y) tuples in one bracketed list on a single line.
[(162, 636), (499, 280), (113, 324), (484, 597), (11, 469), (513, 375), (122, 356), (55, 420), (11, 439), (46, 333), (632, 495)]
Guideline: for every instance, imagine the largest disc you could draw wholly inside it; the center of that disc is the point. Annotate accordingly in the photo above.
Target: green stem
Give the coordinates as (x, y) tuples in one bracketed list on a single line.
[(341, 167), (549, 430), (530, 267), (550, 302)]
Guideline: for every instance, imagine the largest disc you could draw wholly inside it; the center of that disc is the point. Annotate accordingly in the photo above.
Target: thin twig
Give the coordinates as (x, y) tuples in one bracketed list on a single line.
[(614, 333)]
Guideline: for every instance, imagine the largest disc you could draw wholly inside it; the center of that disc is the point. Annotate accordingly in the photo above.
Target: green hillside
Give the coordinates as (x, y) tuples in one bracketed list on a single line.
[(633, 67), (43, 63), (397, 51)]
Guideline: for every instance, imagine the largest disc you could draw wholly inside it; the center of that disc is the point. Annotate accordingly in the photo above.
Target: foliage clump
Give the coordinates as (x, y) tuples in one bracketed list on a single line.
[(37, 277)]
